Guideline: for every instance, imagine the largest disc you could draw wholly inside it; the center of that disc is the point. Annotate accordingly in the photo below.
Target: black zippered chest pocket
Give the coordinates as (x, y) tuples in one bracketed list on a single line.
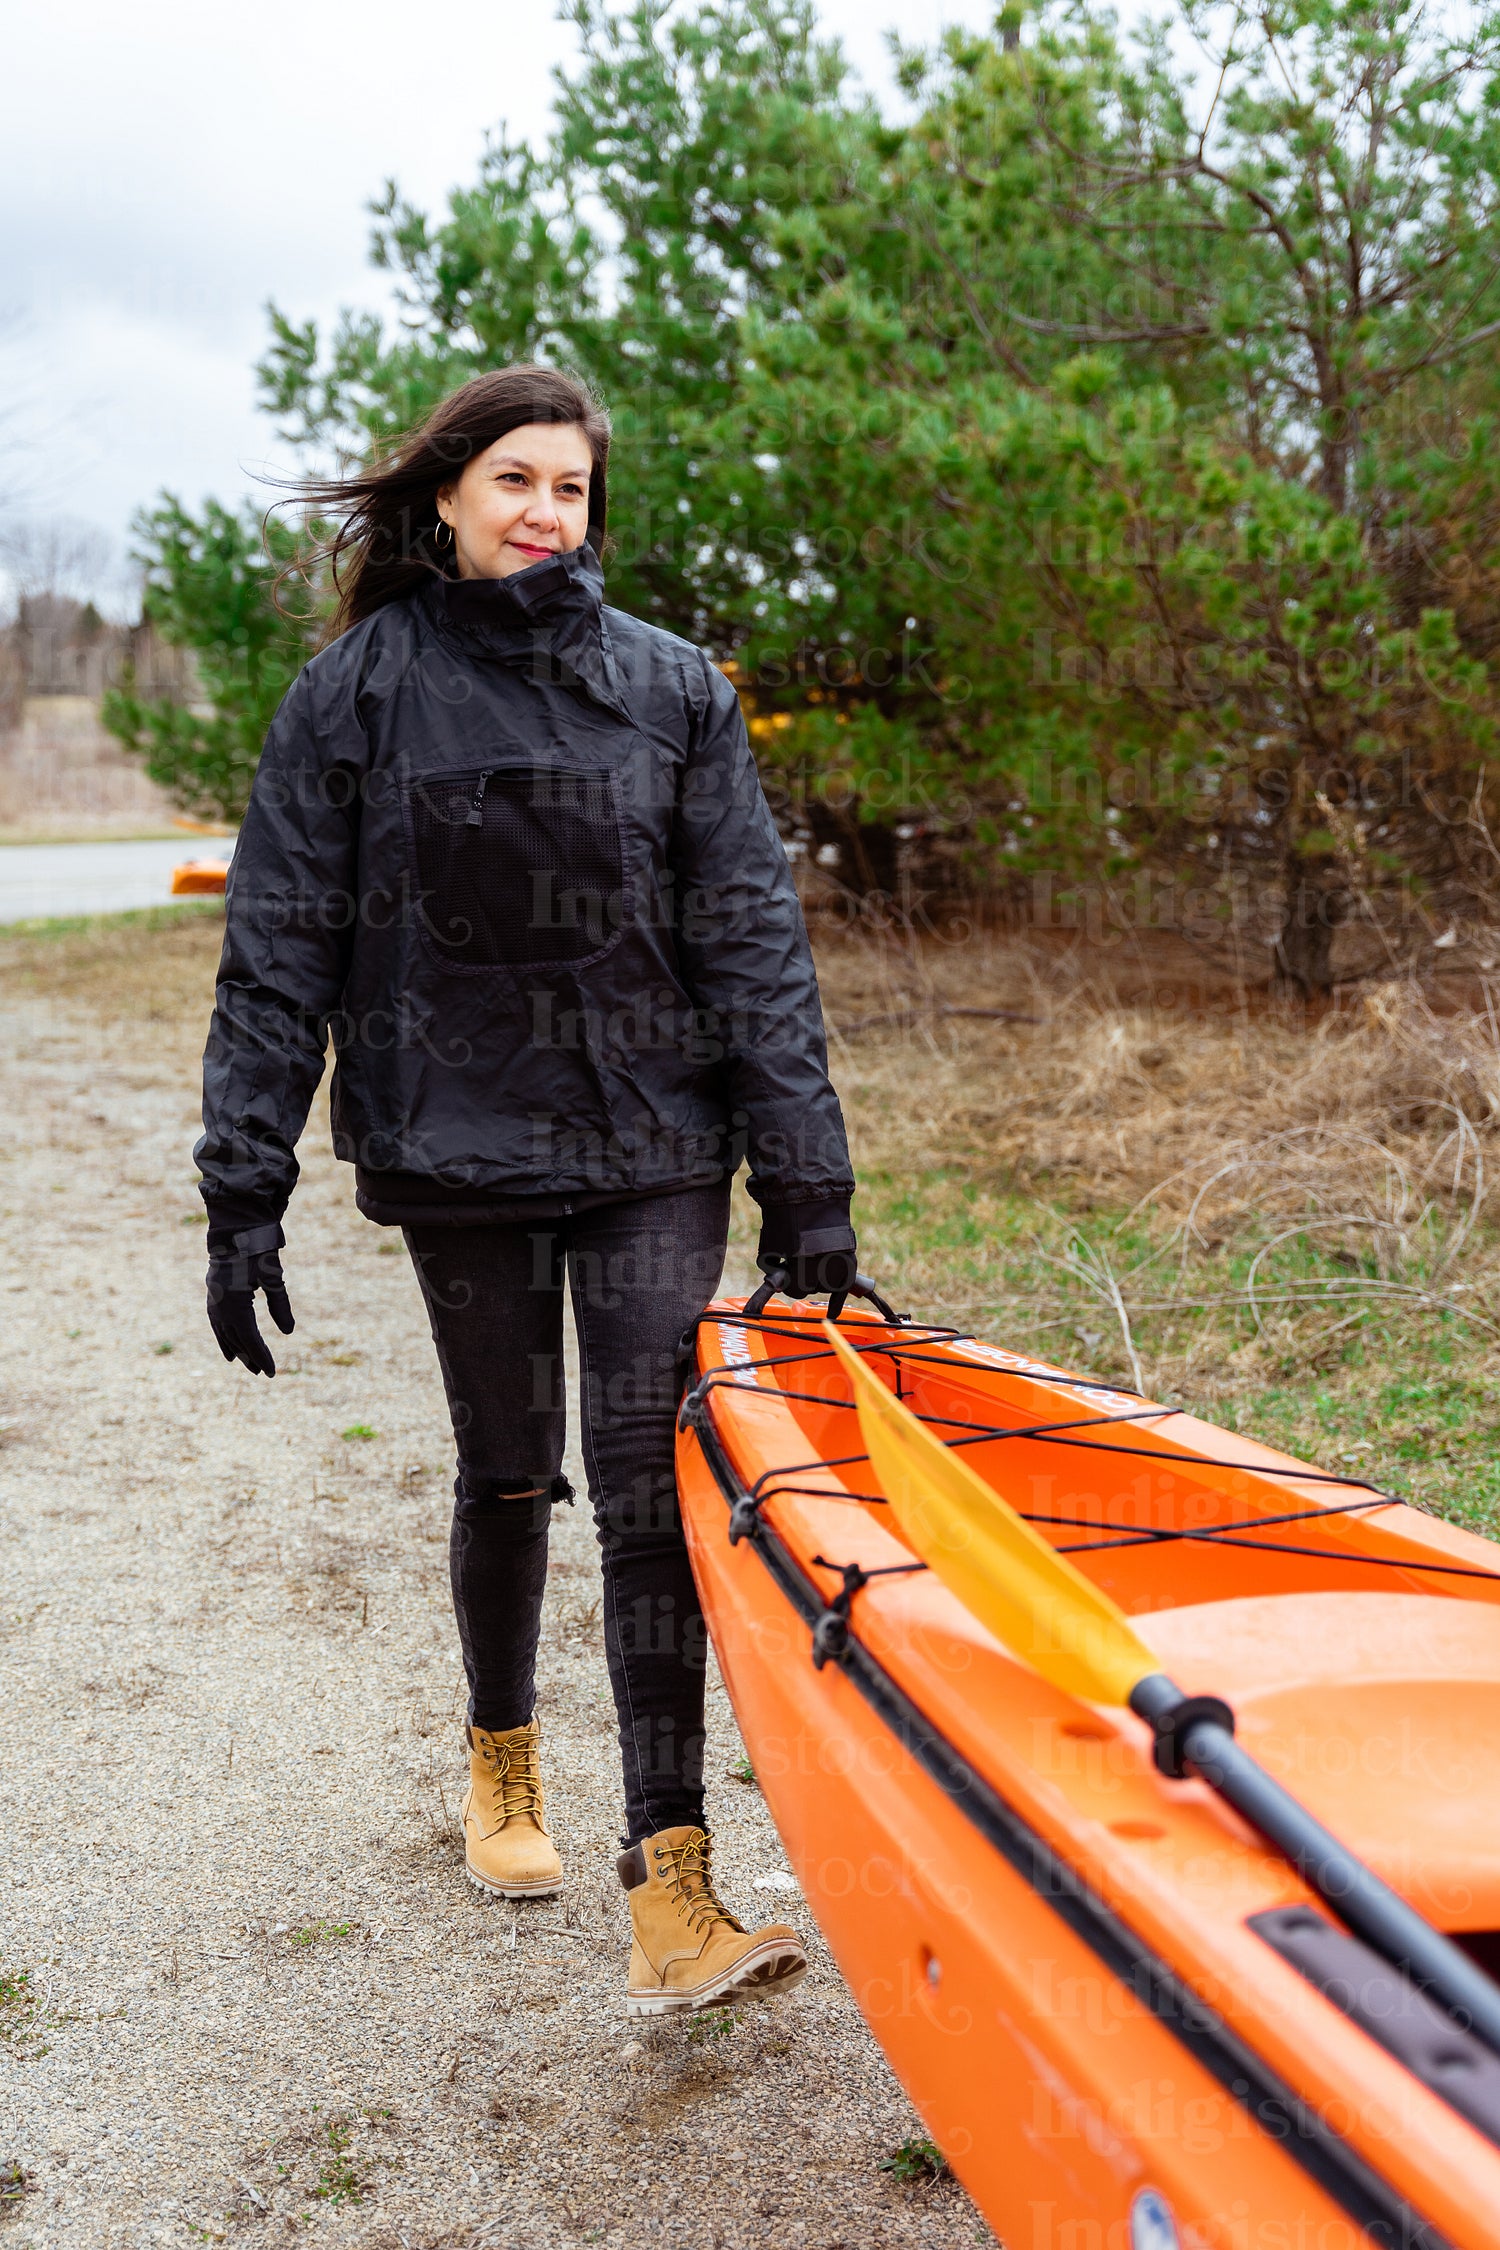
[(518, 864)]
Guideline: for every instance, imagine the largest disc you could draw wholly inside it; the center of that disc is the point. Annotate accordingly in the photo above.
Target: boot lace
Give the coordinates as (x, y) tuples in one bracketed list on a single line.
[(517, 1776), (692, 1885)]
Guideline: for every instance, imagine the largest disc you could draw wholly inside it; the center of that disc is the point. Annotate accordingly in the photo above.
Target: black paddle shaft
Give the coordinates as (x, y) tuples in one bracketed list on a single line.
[(1191, 1733)]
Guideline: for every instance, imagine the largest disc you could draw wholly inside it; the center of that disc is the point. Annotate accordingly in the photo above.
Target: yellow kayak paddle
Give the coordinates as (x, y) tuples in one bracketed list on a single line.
[(1003, 1572)]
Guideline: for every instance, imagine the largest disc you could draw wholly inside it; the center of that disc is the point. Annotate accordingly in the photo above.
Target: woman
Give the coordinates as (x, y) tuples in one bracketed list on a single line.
[(508, 847)]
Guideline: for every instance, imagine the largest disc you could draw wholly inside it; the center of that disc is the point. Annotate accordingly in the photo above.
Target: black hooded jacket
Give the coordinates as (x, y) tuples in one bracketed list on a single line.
[(510, 848)]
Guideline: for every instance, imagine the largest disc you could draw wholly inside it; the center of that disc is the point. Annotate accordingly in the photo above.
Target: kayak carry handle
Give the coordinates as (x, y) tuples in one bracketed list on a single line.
[(1193, 1741), (861, 1286)]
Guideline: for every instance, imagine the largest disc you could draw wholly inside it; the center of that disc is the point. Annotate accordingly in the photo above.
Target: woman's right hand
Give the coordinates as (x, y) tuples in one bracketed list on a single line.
[(811, 1246), (238, 1265)]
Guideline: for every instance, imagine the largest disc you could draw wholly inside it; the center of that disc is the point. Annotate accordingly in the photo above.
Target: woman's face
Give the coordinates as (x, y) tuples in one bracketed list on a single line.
[(527, 497)]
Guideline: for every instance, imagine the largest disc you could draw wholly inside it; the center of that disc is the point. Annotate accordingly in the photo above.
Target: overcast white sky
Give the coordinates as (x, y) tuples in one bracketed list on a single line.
[(166, 168)]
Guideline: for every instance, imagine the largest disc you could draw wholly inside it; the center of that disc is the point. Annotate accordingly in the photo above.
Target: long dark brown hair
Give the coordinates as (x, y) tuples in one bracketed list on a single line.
[(387, 515)]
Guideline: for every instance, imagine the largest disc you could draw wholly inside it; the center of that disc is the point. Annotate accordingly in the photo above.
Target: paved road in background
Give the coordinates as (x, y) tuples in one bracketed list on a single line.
[(47, 879)]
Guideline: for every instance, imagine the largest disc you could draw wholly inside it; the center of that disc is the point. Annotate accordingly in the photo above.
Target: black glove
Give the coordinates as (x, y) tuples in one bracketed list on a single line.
[(238, 1265), (812, 1245)]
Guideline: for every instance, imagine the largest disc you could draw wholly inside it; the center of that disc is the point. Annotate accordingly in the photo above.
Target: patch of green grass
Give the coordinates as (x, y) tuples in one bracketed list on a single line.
[(16, 2183), (140, 918), (915, 2161), (161, 1350), (15, 1991), (712, 2023), (21, 2017), (742, 1770), (317, 1933), (358, 1433), (1429, 1435), (1328, 1363), (338, 2181)]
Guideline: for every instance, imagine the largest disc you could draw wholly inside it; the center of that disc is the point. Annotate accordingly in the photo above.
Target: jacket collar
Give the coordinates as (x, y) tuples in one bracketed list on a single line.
[(552, 610)]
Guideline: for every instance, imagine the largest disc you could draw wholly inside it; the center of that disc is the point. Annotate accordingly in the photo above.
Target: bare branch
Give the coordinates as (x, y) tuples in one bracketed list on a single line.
[(1077, 332)]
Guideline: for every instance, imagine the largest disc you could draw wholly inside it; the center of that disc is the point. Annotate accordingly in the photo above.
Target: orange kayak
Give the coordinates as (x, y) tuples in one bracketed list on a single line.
[(200, 878), (1125, 2019)]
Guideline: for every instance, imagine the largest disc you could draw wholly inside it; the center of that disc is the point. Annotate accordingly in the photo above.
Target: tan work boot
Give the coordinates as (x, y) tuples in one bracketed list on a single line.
[(688, 1950), (506, 1845)]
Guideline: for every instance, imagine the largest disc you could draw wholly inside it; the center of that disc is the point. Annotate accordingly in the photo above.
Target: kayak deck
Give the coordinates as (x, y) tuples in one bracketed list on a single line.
[(1356, 1639), (1237, 1561)]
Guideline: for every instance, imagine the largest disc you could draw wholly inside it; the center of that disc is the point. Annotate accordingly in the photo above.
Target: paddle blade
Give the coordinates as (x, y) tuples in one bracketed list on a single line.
[(1005, 1573)]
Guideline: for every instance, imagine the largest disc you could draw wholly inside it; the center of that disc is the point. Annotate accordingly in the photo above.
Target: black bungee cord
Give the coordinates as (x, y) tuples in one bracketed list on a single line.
[(902, 1346)]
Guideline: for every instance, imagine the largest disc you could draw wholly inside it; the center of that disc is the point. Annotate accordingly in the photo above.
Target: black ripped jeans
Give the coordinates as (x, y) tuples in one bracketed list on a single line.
[(639, 1272)]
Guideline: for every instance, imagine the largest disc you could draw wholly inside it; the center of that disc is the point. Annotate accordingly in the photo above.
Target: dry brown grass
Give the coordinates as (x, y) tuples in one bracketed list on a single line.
[(63, 778), (1288, 1221), (1118, 1086), (155, 967)]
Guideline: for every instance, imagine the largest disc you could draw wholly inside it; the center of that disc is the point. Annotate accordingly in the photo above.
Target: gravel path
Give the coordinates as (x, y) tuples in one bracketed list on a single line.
[(245, 1992)]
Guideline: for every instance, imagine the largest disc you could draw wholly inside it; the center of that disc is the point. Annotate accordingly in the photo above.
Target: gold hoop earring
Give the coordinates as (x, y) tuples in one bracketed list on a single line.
[(437, 538)]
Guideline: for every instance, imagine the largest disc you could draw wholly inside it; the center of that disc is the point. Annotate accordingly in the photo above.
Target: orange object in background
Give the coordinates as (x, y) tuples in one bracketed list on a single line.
[(1110, 2001), (200, 878)]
